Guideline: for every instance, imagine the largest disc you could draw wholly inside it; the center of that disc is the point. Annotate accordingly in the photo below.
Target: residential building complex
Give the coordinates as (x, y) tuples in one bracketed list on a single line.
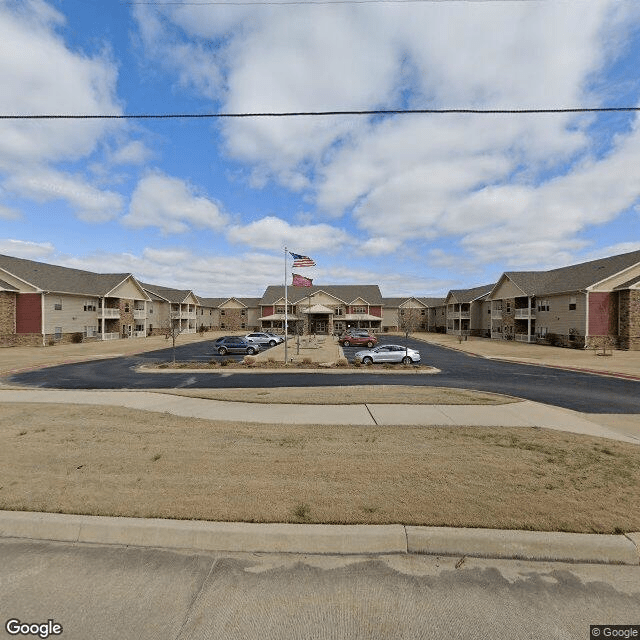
[(578, 305)]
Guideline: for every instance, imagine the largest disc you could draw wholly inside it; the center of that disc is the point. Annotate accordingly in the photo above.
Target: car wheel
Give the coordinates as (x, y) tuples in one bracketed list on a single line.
[(222, 351), (346, 343), (367, 360), (369, 344), (407, 360), (251, 351), (272, 343)]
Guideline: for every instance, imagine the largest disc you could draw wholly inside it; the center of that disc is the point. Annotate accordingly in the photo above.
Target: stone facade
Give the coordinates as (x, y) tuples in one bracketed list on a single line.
[(233, 319), (127, 323), (629, 321), (7, 317)]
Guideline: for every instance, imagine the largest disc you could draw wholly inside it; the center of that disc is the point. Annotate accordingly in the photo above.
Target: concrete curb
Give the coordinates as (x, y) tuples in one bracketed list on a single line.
[(323, 539), (524, 545), (288, 370)]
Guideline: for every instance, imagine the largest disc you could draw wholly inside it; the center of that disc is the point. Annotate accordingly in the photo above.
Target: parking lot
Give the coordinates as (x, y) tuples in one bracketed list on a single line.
[(383, 339)]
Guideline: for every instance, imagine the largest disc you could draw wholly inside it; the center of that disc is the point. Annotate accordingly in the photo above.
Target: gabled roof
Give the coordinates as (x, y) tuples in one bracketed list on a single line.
[(432, 302), (56, 279), (176, 296), (628, 284), (5, 286), (343, 292), (470, 295), (575, 277), (211, 302)]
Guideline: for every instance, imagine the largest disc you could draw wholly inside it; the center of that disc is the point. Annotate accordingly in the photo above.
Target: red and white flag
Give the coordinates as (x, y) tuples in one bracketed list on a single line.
[(301, 281)]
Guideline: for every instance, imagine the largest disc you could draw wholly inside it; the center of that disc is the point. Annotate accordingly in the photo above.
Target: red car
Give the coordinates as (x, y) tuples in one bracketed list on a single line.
[(358, 339)]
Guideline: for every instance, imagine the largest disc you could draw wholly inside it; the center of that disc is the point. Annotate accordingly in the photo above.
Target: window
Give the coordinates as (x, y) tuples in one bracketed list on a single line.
[(57, 333), (90, 332), (222, 326), (221, 312), (126, 307), (150, 309), (359, 309), (542, 331), (57, 305), (90, 305), (572, 303), (243, 326), (339, 311), (243, 312), (543, 305), (509, 306)]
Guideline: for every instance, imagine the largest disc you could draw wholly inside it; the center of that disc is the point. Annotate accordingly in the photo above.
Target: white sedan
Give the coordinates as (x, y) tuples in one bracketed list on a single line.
[(388, 353)]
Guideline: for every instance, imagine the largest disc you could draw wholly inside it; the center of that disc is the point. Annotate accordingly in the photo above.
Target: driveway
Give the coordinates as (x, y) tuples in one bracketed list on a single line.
[(571, 390)]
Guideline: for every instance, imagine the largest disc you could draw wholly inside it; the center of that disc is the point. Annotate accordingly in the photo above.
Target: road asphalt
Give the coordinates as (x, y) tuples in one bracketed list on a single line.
[(328, 539)]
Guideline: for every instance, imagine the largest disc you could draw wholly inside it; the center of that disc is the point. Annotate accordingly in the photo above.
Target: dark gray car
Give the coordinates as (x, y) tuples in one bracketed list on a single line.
[(237, 345)]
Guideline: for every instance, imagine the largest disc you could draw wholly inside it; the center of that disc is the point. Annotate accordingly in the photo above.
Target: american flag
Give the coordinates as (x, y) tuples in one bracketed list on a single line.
[(302, 261)]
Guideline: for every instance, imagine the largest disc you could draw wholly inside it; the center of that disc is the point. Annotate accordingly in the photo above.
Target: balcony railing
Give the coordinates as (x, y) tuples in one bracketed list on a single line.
[(139, 314), (110, 336), (523, 337), (496, 313), (523, 314), (110, 313), (139, 334)]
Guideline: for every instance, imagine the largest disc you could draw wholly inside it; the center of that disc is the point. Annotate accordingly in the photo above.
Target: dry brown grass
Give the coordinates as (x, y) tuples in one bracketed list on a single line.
[(112, 461), (363, 394)]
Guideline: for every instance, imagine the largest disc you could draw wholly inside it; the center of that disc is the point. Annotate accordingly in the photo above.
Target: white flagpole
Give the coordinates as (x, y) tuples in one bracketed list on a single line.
[(286, 308)]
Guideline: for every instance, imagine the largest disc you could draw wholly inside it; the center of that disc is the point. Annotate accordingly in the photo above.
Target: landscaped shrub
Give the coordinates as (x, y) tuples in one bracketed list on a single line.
[(76, 338)]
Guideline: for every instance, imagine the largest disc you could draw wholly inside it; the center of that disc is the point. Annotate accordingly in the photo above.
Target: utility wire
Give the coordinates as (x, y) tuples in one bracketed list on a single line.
[(305, 2), (290, 114)]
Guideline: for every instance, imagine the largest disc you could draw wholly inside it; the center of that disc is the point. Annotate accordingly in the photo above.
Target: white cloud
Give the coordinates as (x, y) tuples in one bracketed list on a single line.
[(273, 233), (46, 185), (41, 75), (8, 213), (26, 249), (519, 188), (133, 152), (172, 205)]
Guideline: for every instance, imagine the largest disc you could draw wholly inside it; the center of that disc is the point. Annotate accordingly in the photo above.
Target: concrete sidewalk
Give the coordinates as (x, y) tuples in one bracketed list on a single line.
[(322, 539), (518, 414)]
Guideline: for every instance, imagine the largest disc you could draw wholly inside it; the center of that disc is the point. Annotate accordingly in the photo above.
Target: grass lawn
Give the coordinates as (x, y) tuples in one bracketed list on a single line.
[(361, 394), (113, 461)]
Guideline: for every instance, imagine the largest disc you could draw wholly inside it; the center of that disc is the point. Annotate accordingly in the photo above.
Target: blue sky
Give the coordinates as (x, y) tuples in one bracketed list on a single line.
[(418, 204)]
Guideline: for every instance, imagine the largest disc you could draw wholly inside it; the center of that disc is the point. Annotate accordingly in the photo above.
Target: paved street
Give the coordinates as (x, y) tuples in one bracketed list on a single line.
[(112, 592), (568, 389)]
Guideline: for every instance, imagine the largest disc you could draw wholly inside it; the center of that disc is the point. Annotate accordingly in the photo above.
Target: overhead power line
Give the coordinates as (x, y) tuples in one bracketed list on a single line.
[(291, 114), (308, 2)]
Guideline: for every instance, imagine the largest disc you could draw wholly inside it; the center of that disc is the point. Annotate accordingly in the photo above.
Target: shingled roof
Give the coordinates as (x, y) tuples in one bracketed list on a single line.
[(177, 296), (53, 278), (469, 295), (345, 292), (575, 277)]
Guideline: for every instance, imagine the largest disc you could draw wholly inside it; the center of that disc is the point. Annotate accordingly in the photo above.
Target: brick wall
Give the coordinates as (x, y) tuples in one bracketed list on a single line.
[(29, 313)]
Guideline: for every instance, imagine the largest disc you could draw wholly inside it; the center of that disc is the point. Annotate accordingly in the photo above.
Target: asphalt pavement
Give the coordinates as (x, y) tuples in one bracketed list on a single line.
[(567, 389)]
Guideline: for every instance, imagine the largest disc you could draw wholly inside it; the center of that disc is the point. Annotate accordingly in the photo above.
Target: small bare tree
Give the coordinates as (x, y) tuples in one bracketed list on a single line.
[(410, 318), (172, 329)]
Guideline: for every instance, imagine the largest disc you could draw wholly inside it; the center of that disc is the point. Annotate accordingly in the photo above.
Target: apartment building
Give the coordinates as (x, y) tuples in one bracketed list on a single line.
[(171, 308), (574, 306), (413, 314), (322, 309), (468, 312), (42, 303), (577, 305)]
